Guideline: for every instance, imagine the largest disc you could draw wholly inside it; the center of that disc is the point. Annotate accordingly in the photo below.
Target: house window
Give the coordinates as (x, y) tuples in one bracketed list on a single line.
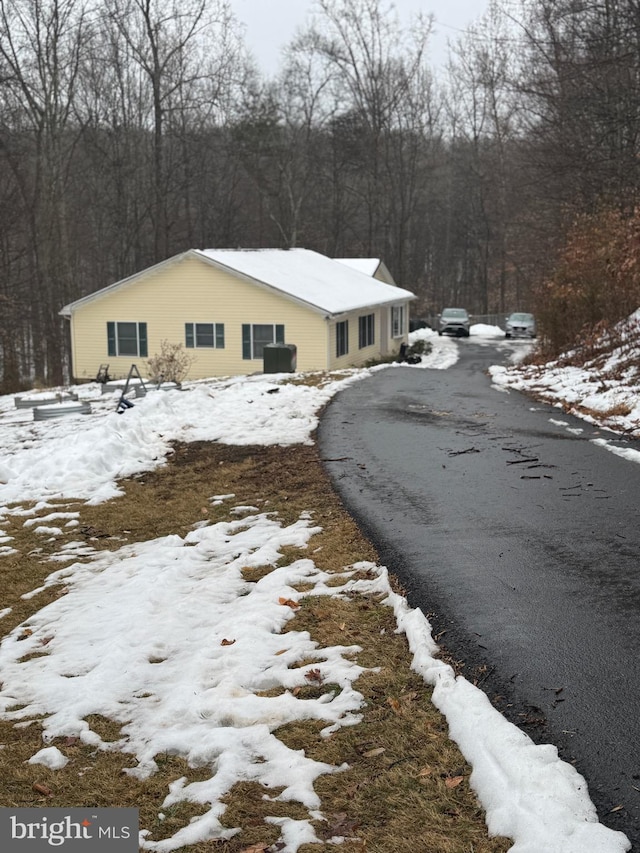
[(257, 335), (204, 335), (342, 338), (127, 339), (398, 325), (366, 331)]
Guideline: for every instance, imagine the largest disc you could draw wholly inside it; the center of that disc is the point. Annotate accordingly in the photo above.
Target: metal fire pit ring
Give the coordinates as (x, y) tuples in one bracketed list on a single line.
[(61, 410), (32, 402)]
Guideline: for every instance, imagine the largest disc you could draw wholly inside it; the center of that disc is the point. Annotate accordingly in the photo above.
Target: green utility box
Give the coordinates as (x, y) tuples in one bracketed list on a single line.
[(280, 358)]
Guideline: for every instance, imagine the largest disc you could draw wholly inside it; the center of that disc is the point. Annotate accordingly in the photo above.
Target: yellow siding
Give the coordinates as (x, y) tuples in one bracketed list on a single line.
[(383, 274), (383, 344), (192, 291)]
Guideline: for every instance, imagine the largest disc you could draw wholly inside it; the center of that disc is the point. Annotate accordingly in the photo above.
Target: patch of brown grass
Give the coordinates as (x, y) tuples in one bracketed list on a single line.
[(406, 786), (621, 410), (314, 380)]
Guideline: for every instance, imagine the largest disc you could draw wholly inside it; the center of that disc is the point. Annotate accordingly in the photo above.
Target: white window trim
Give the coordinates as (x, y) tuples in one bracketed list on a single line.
[(195, 336), (402, 308), (372, 342)]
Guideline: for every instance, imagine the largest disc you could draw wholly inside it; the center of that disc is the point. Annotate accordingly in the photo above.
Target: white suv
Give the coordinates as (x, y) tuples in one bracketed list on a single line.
[(520, 325), (454, 321)]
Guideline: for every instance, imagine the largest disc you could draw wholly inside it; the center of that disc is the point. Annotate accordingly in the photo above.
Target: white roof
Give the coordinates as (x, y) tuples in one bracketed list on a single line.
[(369, 266), (308, 277), (323, 283)]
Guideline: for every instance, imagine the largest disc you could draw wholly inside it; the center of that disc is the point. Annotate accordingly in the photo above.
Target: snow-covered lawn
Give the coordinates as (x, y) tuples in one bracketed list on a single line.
[(166, 636)]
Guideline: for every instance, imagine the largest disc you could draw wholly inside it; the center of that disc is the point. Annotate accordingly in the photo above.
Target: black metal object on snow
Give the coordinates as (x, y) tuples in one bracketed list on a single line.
[(123, 402)]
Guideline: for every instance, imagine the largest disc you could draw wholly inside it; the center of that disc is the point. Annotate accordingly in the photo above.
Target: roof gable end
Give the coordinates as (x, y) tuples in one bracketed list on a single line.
[(304, 276)]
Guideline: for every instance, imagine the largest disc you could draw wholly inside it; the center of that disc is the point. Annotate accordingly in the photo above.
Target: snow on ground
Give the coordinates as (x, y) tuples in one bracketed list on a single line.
[(166, 636), (603, 391)]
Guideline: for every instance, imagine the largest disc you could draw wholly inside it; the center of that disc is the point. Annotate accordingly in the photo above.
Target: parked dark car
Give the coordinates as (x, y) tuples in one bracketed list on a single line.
[(454, 321), (416, 323), (520, 325)]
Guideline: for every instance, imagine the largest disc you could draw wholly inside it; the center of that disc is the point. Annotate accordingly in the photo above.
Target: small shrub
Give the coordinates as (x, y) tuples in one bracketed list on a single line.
[(381, 359), (420, 347), (171, 364)]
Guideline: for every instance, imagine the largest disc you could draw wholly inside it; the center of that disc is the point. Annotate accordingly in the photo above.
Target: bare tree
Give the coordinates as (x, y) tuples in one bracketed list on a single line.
[(485, 133), (42, 44), (167, 42), (580, 78), (382, 113), (280, 139)]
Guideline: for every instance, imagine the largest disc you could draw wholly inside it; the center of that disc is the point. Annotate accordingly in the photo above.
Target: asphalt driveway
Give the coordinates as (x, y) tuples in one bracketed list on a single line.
[(520, 539)]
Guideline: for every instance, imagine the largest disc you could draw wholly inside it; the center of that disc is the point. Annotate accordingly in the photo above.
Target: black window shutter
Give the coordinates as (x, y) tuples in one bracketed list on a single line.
[(279, 334), (188, 335), (111, 339), (219, 335), (142, 336), (246, 340)]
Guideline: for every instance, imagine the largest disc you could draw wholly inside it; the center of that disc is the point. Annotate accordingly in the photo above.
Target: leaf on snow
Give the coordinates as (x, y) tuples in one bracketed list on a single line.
[(289, 602), (227, 642), (313, 675)]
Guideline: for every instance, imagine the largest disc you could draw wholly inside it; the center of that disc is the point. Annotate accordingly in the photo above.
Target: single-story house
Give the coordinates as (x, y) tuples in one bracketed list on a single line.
[(225, 305)]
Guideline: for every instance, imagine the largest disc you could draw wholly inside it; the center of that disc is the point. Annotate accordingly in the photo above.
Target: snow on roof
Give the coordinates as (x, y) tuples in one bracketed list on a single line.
[(324, 284), (309, 277), (369, 266)]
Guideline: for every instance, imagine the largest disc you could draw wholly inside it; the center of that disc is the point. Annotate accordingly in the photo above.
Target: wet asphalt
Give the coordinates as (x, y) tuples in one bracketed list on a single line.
[(519, 537)]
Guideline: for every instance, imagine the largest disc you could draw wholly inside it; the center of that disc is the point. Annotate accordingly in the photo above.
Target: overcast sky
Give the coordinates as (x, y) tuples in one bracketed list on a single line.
[(270, 24)]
